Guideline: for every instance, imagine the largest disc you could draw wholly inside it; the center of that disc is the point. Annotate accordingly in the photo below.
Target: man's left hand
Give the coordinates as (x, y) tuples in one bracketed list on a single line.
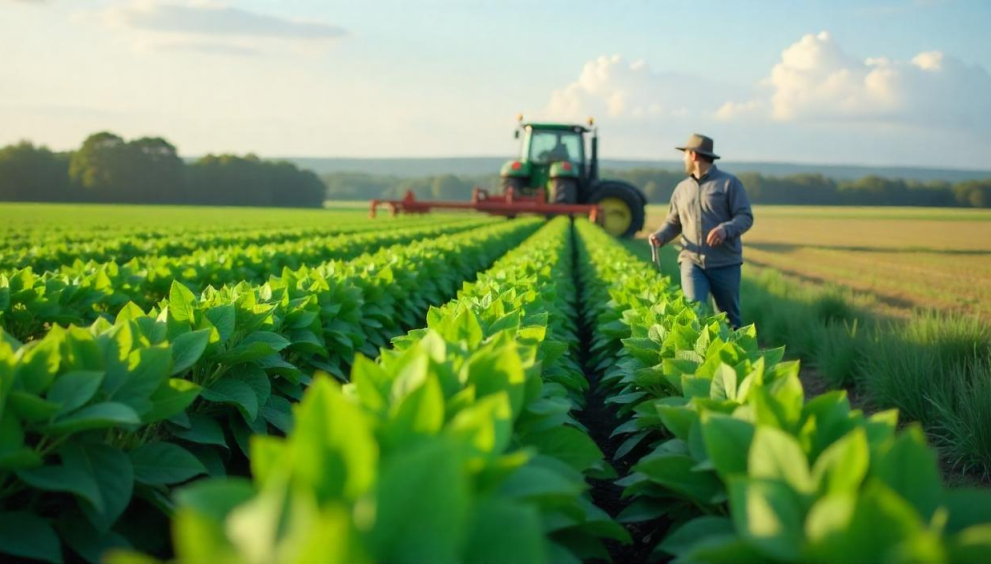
[(716, 236)]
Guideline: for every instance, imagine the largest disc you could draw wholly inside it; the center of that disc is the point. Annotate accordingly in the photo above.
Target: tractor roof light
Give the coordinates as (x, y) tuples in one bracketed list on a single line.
[(591, 121), (519, 117)]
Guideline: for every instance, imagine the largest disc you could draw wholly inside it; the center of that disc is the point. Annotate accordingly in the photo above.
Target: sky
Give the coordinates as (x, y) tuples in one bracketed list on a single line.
[(889, 82)]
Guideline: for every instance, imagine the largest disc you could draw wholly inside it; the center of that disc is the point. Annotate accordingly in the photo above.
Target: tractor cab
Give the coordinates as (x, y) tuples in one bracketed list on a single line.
[(546, 144), (543, 147)]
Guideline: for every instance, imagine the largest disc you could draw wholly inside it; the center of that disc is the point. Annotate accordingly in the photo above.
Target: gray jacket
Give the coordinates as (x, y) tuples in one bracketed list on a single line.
[(698, 206)]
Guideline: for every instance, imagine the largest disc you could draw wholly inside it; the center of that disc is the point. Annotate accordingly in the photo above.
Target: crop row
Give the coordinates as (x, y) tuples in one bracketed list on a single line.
[(24, 224), (733, 463), (458, 445), (30, 303), (98, 424), (52, 253)]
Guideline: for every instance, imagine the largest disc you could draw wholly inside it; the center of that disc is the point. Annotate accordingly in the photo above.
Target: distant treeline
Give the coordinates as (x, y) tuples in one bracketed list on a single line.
[(149, 171), (658, 184)]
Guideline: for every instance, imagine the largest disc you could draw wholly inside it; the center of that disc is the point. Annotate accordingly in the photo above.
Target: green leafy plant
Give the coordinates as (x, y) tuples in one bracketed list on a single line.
[(739, 465)]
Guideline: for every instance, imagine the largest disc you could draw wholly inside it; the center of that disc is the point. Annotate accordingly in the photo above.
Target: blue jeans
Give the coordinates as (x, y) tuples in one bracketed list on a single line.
[(722, 282)]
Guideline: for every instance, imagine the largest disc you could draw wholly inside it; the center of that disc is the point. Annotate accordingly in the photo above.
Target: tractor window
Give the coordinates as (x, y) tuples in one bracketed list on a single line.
[(550, 146)]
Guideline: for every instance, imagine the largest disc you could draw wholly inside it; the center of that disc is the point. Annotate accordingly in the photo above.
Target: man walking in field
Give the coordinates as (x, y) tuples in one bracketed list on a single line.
[(710, 210)]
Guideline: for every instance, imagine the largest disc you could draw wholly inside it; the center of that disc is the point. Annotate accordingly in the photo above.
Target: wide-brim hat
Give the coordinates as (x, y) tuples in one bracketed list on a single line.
[(700, 144)]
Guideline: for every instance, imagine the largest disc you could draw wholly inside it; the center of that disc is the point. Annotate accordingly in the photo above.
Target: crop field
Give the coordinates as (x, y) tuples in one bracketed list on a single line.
[(888, 304), (907, 258), (233, 385)]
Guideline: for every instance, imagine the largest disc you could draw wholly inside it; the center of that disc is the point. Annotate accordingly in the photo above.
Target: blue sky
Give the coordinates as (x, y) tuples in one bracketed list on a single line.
[(888, 82)]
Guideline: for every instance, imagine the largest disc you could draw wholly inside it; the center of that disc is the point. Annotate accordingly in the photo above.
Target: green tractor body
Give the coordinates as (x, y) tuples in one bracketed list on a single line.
[(553, 156)]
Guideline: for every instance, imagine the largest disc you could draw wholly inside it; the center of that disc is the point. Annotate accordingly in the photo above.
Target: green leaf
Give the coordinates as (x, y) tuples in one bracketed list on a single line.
[(73, 389), (148, 369), (274, 341), (182, 302), (333, 446), (243, 353), (777, 455), (76, 480), (111, 470), (922, 487), (175, 396), (30, 407), (498, 369), (96, 416), (485, 425), (723, 549), (422, 505), (542, 485), (90, 544), (24, 535), (256, 378), (972, 544), (204, 430), (779, 403), (490, 540), (568, 444), (676, 472), (768, 514), (688, 535), (727, 441), (224, 318), (14, 454), (829, 518), (724, 383), (278, 412), (843, 465), (215, 498), (967, 507), (233, 392), (677, 418), (39, 363), (418, 413), (646, 509), (882, 523), (466, 328), (187, 349), (164, 463)]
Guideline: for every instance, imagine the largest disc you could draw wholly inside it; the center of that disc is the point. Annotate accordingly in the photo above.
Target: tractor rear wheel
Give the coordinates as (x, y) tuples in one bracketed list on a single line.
[(623, 210), (515, 182), (564, 190)]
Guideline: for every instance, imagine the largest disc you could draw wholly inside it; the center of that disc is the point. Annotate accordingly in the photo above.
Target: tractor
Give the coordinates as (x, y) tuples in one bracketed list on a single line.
[(552, 161), (552, 155)]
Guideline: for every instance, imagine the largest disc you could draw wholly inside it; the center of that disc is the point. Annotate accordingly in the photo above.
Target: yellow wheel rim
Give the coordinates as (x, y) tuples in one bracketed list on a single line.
[(617, 216)]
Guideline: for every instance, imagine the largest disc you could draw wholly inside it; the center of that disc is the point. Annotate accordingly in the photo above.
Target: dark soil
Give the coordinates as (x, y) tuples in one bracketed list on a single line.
[(601, 419)]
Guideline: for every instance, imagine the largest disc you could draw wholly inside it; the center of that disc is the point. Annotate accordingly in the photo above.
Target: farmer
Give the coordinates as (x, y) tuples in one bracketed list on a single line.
[(710, 210)]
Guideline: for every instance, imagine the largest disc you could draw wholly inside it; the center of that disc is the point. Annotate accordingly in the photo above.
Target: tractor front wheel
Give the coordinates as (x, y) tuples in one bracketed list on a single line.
[(623, 210)]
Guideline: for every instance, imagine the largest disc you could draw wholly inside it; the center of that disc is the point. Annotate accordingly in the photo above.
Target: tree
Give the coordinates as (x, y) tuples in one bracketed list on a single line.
[(146, 170), (33, 174), (449, 187), (250, 181)]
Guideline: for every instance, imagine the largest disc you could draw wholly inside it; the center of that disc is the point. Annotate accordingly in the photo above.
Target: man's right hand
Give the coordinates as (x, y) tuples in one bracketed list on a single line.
[(653, 240)]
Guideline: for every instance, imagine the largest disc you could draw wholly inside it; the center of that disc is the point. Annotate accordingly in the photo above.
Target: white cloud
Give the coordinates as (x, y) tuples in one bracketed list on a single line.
[(610, 86), (215, 28), (817, 81), (735, 110), (819, 103)]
